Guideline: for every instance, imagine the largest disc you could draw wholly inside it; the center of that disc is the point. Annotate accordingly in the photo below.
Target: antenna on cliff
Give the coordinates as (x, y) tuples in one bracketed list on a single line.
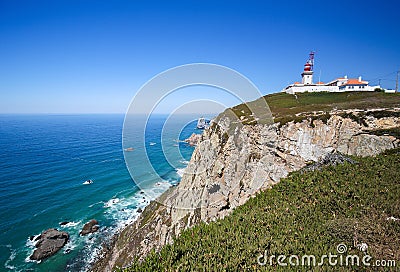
[(397, 81)]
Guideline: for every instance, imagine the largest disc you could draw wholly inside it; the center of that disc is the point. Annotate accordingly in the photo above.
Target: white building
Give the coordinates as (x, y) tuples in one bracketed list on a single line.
[(343, 84)]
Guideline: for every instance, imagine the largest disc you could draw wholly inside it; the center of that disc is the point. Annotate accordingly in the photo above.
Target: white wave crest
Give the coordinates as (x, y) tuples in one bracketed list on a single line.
[(111, 202), (184, 162), (10, 259), (180, 171), (70, 224)]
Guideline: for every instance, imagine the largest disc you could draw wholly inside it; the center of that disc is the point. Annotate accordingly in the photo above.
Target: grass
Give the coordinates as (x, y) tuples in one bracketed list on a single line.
[(286, 107), (306, 213)]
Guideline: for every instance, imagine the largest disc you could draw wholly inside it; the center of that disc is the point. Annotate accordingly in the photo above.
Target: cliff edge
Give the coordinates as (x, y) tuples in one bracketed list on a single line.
[(238, 156)]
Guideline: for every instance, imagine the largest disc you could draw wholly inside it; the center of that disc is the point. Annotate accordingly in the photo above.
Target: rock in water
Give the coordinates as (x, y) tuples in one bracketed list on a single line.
[(90, 227), (193, 139), (49, 242)]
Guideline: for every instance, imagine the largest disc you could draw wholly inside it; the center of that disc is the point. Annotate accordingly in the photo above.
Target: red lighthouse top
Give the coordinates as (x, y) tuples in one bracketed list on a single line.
[(307, 66)]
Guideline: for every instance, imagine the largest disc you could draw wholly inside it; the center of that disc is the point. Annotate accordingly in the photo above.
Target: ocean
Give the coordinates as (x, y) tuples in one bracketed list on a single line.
[(44, 162)]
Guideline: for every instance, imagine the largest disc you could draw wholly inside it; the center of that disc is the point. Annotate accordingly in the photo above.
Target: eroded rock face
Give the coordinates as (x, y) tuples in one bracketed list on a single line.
[(48, 243), (234, 162), (90, 227)]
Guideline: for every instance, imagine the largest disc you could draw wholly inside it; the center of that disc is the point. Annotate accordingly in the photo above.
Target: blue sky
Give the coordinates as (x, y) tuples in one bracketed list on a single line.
[(92, 56)]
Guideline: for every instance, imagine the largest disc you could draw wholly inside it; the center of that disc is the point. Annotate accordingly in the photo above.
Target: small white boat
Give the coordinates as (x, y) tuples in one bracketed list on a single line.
[(89, 181)]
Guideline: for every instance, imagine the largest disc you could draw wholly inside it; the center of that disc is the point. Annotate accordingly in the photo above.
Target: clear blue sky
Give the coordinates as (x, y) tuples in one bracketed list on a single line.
[(82, 56)]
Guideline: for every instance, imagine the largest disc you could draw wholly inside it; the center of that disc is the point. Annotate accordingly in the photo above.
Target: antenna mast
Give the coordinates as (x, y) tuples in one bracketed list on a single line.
[(311, 60)]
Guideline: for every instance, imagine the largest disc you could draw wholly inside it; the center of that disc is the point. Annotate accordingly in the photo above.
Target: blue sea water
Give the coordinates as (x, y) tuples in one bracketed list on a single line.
[(44, 161)]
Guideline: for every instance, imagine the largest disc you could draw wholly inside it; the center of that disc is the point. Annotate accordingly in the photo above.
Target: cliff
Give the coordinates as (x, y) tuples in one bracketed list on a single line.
[(236, 159)]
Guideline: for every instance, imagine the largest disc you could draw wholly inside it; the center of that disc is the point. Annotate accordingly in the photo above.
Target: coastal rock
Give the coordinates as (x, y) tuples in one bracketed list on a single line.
[(233, 162), (193, 139), (363, 144), (90, 227), (48, 243)]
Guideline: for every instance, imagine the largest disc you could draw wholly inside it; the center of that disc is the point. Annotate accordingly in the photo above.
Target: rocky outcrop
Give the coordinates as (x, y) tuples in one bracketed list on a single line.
[(232, 163), (330, 159), (193, 139), (90, 227), (48, 243)]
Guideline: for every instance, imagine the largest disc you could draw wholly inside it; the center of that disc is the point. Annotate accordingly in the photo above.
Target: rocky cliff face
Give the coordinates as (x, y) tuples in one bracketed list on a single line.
[(233, 162)]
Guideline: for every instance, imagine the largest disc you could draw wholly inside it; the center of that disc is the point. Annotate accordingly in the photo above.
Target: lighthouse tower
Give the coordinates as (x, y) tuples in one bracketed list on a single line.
[(307, 74)]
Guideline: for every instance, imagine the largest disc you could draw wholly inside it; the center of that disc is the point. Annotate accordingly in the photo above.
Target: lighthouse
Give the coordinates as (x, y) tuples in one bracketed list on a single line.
[(341, 84), (307, 74)]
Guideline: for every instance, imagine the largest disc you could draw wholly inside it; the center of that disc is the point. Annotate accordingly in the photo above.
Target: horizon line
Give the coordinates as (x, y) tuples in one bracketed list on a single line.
[(98, 113)]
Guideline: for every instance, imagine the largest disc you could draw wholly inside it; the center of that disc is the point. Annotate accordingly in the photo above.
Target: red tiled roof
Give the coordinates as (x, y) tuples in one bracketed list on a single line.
[(355, 82)]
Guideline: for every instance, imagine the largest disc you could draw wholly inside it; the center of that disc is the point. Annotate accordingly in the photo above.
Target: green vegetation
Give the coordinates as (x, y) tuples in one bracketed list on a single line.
[(306, 213), (395, 132), (286, 107)]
